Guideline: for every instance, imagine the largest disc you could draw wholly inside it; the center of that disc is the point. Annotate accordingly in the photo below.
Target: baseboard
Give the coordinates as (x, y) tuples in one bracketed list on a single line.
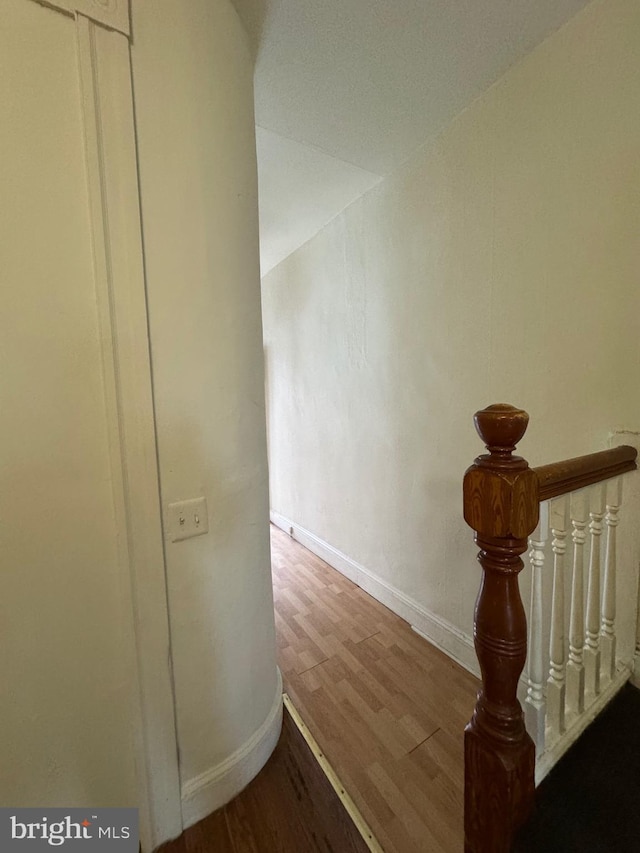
[(215, 787), (436, 630)]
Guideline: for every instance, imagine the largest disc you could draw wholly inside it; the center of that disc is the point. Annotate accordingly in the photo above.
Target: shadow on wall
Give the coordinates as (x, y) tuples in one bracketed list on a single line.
[(253, 14)]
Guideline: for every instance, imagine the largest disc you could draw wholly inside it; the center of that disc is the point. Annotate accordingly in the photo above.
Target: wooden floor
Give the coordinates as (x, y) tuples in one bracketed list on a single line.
[(290, 807), (387, 708)]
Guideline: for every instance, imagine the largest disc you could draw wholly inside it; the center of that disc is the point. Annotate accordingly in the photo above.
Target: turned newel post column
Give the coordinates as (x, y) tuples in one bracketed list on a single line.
[(501, 505)]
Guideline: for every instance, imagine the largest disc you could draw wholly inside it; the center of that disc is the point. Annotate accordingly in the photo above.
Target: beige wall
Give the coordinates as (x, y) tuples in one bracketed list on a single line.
[(192, 75), (69, 715), (499, 264), (66, 660)]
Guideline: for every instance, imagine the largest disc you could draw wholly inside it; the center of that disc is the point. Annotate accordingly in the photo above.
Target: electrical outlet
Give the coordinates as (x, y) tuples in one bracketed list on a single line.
[(187, 519)]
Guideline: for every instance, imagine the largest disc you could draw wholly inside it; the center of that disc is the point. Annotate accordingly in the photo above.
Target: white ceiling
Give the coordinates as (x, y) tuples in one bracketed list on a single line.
[(345, 90)]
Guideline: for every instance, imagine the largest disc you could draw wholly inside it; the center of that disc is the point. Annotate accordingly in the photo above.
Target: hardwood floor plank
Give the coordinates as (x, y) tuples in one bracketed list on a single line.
[(290, 807), (387, 708), (417, 828)]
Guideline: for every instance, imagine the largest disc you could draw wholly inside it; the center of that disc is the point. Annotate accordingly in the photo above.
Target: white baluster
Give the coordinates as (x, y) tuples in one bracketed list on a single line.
[(592, 640), (608, 629), (575, 666), (534, 706), (557, 672)]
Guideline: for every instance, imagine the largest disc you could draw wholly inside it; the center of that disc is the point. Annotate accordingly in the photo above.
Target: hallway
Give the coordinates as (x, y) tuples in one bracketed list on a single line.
[(387, 708)]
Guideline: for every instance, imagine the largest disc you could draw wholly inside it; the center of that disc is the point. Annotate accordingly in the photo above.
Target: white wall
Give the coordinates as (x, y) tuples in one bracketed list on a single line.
[(66, 661), (500, 264), (192, 75)]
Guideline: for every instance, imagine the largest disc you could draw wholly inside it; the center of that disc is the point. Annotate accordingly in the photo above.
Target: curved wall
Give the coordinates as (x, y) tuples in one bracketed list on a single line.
[(192, 75)]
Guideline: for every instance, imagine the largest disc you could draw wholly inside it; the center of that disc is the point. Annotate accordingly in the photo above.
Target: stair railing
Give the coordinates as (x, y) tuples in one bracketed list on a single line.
[(513, 508), (580, 652)]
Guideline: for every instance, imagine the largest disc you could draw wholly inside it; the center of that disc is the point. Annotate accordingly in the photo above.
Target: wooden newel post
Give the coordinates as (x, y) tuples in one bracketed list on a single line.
[(501, 505)]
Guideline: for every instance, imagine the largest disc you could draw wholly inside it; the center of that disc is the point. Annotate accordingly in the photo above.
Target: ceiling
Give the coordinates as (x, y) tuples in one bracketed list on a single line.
[(346, 90)]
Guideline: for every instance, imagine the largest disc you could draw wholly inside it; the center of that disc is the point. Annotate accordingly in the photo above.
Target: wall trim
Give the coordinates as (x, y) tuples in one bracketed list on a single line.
[(113, 14), (436, 630), (215, 787), (114, 209)]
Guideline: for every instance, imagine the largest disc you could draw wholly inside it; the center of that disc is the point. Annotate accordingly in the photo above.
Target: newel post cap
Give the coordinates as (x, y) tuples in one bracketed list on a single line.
[(501, 426), (500, 490)]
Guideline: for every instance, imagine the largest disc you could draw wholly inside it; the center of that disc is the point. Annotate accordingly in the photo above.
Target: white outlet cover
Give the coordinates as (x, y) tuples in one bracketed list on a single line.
[(187, 519)]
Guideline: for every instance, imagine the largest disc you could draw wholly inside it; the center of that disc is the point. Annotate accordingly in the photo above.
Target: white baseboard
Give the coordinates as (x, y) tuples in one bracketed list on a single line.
[(435, 629), (215, 787)]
